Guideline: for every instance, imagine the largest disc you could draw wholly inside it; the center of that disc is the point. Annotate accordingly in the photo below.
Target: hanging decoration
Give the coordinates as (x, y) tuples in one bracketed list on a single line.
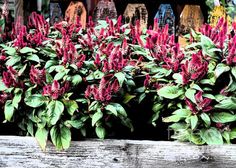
[(55, 13), (217, 13), (134, 12), (104, 9), (165, 15), (74, 10), (190, 18), (5, 8)]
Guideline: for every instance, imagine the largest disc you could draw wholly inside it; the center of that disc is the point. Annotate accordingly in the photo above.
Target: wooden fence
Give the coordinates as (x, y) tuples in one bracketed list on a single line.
[(24, 152)]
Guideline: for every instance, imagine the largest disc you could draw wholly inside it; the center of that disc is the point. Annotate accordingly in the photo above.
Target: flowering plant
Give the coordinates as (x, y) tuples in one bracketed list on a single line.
[(60, 78)]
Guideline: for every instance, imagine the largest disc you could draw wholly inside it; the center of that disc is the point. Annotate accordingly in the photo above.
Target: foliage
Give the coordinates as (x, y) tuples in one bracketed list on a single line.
[(59, 78)]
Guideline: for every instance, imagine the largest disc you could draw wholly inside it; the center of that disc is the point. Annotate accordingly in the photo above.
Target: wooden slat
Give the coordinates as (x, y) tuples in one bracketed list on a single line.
[(25, 152)]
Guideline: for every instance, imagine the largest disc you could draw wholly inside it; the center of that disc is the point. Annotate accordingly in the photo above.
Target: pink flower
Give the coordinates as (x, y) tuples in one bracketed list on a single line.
[(37, 76), (54, 91), (147, 80), (195, 69), (3, 97), (202, 104), (10, 78)]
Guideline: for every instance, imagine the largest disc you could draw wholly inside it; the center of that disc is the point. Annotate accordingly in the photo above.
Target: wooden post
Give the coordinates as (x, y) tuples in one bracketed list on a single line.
[(19, 10)]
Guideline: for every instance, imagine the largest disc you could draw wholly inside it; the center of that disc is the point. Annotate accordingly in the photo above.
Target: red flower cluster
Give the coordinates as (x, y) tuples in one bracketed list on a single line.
[(202, 104), (54, 90), (67, 51), (163, 48), (105, 89), (231, 56), (217, 34), (10, 78), (3, 97), (195, 69), (37, 76), (38, 22)]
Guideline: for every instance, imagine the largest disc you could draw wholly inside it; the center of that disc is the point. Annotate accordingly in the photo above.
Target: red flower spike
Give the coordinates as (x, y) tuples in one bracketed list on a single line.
[(37, 76), (146, 82), (201, 105)]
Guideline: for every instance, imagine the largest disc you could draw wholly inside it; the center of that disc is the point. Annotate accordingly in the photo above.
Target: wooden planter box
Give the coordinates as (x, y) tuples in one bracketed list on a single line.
[(24, 152)]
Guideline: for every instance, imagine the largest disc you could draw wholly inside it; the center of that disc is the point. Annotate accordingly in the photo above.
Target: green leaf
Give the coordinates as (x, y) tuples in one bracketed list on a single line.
[(226, 136), (8, 110), (112, 109), (26, 50), (35, 100), (42, 135), (96, 117), (233, 71), (170, 92), (10, 51), (77, 79), (229, 103), (71, 106), (120, 109), (121, 78), (196, 139), (13, 60), (193, 121), (178, 78), (2, 86), (55, 110), (155, 117), (50, 63), (190, 94), (173, 118), (30, 128), (206, 119), (74, 123), (220, 69), (94, 106), (17, 98), (233, 133), (223, 117), (22, 70), (183, 113), (60, 75), (127, 122), (211, 136), (141, 97), (61, 137), (33, 57), (178, 126), (157, 107), (196, 87), (127, 98), (101, 132)]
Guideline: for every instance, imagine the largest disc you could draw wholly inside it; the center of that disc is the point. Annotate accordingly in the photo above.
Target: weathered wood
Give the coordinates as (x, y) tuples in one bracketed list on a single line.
[(19, 11), (25, 152)]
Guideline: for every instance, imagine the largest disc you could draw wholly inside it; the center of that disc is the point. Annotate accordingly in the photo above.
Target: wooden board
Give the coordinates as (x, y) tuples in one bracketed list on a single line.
[(74, 10), (104, 9), (24, 152), (91, 6), (135, 12), (190, 18), (55, 13), (165, 15)]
